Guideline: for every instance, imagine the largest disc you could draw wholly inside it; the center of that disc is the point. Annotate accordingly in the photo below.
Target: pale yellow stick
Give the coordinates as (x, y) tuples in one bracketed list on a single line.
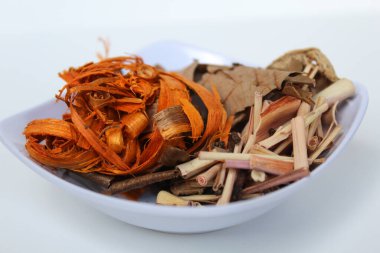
[(220, 178), (194, 167), (338, 91), (257, 176), (230, 180), (168, 199), (208, 175), (299, 143)]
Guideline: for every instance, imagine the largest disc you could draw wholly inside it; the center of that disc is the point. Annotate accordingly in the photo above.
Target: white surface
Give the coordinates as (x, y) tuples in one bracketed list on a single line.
[(178, 219), (339, 213)]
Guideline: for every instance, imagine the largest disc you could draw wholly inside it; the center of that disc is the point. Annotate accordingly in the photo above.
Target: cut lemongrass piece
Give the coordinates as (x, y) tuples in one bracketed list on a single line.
[(194, 167), (257, 110), (168, 199), (255, 174), (209, 174), (220, 178), (302, 111), (230, 181), (299, 143), (338, 91), (220, 156), (276, 165)]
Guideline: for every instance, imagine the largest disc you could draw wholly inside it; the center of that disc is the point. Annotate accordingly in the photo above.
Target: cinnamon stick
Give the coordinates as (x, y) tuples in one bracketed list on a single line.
[(141, 181)]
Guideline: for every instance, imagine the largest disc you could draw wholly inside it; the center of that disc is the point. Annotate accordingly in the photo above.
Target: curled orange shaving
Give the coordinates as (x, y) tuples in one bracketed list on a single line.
[(108, 128)]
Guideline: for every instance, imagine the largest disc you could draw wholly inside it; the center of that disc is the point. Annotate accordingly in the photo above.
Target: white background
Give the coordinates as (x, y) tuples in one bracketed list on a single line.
[(339, 212)]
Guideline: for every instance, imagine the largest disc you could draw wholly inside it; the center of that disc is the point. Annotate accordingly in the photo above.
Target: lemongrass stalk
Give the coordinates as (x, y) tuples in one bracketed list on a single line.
[(209, 174), (168, 199), (230, 180), (338, 91), (299, 143), (194, 167)]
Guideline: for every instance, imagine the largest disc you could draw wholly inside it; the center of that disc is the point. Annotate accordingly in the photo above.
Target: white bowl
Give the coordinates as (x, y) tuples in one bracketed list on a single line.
[(164, 218)]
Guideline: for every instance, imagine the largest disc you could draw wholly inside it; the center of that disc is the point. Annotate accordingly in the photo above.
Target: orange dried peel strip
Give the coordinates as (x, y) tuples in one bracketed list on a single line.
[(194, 117), (100, 147), (214, 108), (101, 96)]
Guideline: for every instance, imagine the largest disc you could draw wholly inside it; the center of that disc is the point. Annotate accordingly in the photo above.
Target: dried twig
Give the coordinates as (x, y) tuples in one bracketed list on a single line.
[(141, 181)]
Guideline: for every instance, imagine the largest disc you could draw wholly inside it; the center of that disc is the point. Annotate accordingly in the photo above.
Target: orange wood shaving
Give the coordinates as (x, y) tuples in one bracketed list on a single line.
[(214, 108), (194, 117), (108, 129)]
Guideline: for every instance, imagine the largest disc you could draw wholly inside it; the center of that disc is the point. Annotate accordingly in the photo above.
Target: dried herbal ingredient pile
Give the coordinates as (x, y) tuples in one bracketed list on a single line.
[(207, 135)]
